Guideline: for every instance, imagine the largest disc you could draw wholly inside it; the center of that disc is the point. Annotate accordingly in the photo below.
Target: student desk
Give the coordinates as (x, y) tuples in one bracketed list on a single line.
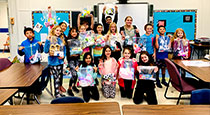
[(106, 108), (5, 94), (20, 75), (166, 109), (202, 73), (199, 49)]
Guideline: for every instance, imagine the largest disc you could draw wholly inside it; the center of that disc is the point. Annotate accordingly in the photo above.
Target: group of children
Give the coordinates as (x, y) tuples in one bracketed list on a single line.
[(101, 54)]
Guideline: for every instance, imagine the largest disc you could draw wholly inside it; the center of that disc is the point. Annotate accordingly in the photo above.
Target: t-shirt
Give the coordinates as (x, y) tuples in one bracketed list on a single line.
[(149, 43)]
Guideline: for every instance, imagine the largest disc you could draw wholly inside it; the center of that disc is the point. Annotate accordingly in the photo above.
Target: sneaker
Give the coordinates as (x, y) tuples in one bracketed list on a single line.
[(69, 91), (62, 89), (158, 84), (75, 89), (164, 83)]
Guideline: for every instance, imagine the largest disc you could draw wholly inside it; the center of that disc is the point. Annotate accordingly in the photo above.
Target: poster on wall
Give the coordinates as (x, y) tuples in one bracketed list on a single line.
[(40, 22), (173, 19)]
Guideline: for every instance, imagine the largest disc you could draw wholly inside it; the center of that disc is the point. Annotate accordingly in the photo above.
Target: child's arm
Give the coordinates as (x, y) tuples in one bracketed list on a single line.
[(40, 47), (156, 41), (95, 72), (47, 45), (20, 50), (103, 16), (92, 21), (101, 67), (78, 20), (116, 15)]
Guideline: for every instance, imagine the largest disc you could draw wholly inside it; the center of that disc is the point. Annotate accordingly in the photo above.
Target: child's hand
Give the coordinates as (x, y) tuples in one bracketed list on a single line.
[(77, 68), (49, 37), (153, 55), (137, 30), (104, 9), (21, 47), (40, 43), (116, 9), (100, 63), (95, 68), (156, 69), (61, 57), (170, 36)]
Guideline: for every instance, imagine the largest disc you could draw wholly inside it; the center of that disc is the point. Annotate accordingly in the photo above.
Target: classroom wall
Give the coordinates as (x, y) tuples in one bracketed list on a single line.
[(21, 11), (3, 22)]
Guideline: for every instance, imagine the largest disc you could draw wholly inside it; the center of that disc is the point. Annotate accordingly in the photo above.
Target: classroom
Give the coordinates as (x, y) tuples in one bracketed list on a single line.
[(122, 57)]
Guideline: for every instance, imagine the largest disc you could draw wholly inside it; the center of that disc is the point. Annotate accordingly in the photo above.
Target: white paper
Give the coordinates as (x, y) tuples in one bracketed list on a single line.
[(43, 37), (38, 27), (196, 63)]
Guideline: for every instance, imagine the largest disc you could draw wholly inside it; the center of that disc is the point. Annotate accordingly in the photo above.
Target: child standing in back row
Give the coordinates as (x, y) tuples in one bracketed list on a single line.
[(55, 46), (162, 44)]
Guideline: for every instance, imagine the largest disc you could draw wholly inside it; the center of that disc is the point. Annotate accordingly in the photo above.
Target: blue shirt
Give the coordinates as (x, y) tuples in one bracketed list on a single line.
[(149, 45), (53, 60), (163, 42), (30, 48)]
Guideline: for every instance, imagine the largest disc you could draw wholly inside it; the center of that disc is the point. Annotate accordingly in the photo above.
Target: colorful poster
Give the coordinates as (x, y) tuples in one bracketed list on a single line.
[(181, 47), (85, 76), (126, 70), (74, 46), (147, 72)]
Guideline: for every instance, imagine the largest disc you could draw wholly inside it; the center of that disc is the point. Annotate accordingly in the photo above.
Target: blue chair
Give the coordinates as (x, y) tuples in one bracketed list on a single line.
[(200, 96), (67, 100)]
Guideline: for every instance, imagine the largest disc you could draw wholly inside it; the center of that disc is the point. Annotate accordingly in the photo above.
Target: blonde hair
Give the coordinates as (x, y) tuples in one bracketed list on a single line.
[(175, 34), (113, 23), (52, 33)]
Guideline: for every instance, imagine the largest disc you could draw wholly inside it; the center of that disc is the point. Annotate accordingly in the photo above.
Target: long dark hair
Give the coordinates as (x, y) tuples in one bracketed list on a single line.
[(95, 28), (103, 57), (149, 63), (71, 29), (84, 64)]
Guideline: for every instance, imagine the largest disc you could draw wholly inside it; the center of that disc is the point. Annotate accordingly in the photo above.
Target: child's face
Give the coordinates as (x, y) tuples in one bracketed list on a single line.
[(149, 29), (127, 54), (82, 29), (99, 29), (128, 21), (107, 52), (88, 59), (144, 58), (113, 28), (108, 20), (86, 26), (73, 33), (57, 31), (63, 27), (180, 34), (162, 30), (29, 35)]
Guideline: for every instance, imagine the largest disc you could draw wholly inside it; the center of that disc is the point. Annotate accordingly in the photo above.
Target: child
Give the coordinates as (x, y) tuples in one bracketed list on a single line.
[(126, 73), (106, 21), (86, 78), (99, 43), (148, 36), (181, 46), (128, 31), (73, 62), (143, 85), (30, 47), (55, 46), (162, 43), (114, 40), (108, 70)]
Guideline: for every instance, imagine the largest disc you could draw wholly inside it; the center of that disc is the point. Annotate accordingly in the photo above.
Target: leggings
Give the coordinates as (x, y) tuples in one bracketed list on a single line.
[(90, 92), (126, 91), (73, 64), (57, 72), (109, 90)]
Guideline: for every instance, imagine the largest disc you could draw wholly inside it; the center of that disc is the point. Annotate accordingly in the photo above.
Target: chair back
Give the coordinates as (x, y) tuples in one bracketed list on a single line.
[(4, 63), (174, 75), (200, 96), (67, 100)]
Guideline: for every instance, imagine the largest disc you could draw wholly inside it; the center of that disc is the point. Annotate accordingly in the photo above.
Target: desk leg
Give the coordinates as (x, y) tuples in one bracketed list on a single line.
[(28, 97)]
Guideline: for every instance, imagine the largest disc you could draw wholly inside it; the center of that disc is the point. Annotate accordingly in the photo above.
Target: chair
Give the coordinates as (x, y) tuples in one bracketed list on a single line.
[(200, 96), (4, 63), (67, 100), (177, 82)]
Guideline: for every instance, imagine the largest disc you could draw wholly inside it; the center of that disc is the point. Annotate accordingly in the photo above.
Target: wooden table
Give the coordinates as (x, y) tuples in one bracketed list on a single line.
[(20, 75), (202, 73), (166, 109), (107, 108), (5, 94)]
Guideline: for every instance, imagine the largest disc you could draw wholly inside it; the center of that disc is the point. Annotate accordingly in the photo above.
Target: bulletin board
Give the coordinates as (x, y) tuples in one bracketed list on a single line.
[(37, 17), (138, 11), (173, 19)]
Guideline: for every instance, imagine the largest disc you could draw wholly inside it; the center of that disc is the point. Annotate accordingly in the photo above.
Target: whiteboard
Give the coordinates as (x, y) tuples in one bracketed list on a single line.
[(138, 11)]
